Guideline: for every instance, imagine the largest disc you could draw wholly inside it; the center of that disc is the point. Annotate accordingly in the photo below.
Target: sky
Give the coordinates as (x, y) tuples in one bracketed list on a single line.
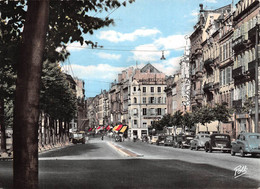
[(142, 30)]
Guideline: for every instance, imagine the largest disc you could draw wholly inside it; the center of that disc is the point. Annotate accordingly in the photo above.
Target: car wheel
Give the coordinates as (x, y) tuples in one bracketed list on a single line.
[(253, 155), (181, 146), (242, 153), (232, 153), (196, 148), (206, 149), (191, 148)]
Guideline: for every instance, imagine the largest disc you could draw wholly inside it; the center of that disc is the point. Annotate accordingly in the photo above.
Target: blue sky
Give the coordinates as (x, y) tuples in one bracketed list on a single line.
[(141, 31)]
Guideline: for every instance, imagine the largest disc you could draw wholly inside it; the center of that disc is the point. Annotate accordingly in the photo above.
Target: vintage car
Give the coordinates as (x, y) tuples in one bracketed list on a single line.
[(218, 142), (199, 141), (183, 141), (78, 137), (246, 143), (168, 141), (153, 139), (160, 140)]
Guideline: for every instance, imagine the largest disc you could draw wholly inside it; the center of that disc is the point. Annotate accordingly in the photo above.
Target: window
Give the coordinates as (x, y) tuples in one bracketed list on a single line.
[(152, 89), (144, 111), (135, 111), (159, 89), (159, 111), (134, 88), (144, 89), (135, 100), (159, 100), (152, 101), (135, 122), (144, 100), (144, 124)]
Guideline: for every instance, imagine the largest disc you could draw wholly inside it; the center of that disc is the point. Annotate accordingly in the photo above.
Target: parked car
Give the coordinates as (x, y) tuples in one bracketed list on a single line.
[(168, 141), (246, 143), (183, 141), (145, 138), (199, 141), (160, 140), (153, 139), (218, 142), (78, 137)]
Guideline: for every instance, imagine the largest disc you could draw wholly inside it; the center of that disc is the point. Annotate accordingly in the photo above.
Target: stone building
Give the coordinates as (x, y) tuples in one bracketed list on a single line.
[(244, 41)]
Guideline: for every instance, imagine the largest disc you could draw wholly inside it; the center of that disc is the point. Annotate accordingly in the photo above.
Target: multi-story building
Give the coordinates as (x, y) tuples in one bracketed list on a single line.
[(174, 93), (226, 61), (205, 60), (103, 113), (244, 42), (147, 99)]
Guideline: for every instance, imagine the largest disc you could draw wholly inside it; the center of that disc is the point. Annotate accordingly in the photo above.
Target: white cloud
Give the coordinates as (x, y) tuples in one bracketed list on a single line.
[(194, 13), (109, 56), (76, 46), (210, 1), (176, 42), (98, 72), (146, 53), (168, 66), (114, 36)]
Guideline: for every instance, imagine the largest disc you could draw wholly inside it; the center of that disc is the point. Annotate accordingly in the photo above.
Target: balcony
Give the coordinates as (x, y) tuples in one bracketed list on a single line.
[(238, 73), (251, 68), (208, 62), (252, 34), (239, 43), (208, 87)]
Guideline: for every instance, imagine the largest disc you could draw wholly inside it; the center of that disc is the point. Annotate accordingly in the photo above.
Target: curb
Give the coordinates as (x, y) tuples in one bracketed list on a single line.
[(124, 151)]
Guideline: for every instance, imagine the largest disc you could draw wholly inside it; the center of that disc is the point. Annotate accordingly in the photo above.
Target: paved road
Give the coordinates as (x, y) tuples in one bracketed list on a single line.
[(102, 164)]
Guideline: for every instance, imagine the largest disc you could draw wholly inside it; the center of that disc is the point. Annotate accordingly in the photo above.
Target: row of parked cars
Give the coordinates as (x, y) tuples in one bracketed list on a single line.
[(246, 143)]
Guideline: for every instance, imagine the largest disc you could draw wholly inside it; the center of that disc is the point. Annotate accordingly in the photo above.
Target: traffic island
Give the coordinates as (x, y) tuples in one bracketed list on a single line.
[(124, 151)]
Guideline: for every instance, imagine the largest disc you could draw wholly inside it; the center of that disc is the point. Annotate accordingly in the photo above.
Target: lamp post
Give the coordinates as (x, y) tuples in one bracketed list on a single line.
[(256, 76)]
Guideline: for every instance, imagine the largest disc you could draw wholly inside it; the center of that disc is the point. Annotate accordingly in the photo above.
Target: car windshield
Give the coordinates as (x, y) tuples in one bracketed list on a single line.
[(204, 136), (189, 137), (169, 137), (77, 135), (254, 137)]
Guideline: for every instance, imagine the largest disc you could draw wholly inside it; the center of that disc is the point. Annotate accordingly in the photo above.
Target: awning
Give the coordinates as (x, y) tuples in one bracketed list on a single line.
[(90, 129), (123, 129), (119, 127), (115, 128), (98, 127), (108, 127)]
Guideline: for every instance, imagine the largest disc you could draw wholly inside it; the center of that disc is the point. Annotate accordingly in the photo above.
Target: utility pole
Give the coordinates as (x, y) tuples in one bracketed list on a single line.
[(256, 76)]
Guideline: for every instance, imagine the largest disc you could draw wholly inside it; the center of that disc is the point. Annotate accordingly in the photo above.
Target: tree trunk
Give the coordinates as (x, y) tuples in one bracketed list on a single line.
[(2, 125), (26, 111)]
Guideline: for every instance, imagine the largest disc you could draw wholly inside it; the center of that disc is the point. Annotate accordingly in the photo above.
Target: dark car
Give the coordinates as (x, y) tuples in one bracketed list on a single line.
[(246, 143), (218, 142), (160, 140), (169, 140), (183, 141), (78, 137)]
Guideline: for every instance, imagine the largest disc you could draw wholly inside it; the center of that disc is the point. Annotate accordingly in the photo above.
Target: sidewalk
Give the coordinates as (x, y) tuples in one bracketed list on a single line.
[(5, 156)]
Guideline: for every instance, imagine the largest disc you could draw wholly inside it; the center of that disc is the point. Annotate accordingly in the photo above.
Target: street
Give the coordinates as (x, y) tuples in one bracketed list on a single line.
[(107, 164)]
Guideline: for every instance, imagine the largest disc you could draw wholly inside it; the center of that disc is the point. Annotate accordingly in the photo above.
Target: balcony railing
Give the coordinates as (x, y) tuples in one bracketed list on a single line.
[(239, 43), (208, 86), (238, 72)]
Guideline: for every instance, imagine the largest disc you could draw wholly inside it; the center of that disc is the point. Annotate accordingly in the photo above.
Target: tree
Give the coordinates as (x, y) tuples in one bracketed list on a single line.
[(68, 22), (177, 121), (188, 120), (204, 115), (221, 113)]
